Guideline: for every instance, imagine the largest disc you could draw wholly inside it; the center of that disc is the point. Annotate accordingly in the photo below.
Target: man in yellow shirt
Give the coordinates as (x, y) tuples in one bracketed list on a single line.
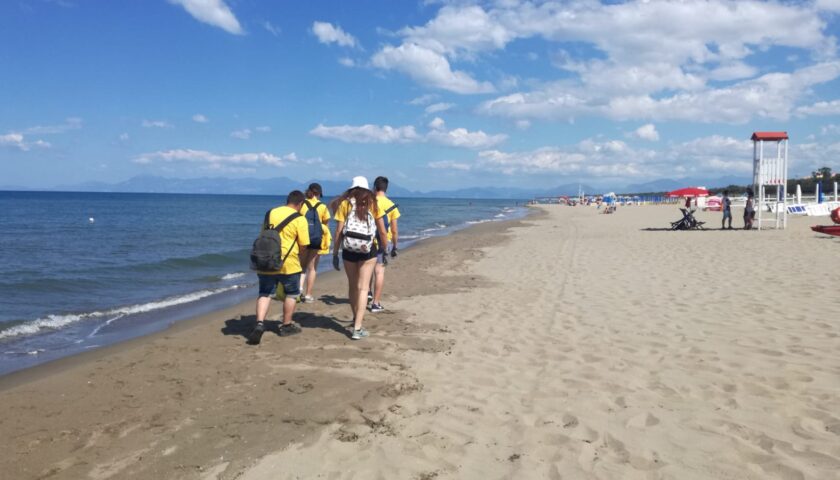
[(293, 237), (390, 213)]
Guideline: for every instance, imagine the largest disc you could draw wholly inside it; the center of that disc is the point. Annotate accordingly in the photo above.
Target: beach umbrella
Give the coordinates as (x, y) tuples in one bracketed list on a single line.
[(689, 192)]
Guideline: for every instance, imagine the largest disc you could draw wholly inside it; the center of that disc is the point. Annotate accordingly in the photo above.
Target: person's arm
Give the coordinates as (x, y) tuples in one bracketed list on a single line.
[(383, 233), (302, 227), (395, 233)]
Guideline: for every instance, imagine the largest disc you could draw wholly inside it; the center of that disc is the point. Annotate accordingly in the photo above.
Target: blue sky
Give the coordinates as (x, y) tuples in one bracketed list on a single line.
[(434, 94)]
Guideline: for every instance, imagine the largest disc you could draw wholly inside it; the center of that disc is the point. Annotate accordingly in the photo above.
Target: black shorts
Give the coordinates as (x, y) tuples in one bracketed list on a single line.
[(313, 247), (357, 257)]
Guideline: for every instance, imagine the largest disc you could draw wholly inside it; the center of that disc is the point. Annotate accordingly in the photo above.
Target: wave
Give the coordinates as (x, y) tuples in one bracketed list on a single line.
[(55, 322), (204, 260), (232, 276)]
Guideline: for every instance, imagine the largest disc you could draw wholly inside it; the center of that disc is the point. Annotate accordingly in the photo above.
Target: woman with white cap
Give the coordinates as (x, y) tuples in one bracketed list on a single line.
[(359, 228)]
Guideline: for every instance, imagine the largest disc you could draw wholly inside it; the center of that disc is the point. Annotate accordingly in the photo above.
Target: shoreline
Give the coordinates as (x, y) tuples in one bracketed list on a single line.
[(143, 324), (566, 344), (197, 379)]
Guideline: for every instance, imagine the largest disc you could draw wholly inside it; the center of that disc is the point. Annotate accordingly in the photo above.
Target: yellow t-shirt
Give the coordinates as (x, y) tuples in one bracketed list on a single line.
[(324, 215), (384, 204), (343, 211), (294, 235)]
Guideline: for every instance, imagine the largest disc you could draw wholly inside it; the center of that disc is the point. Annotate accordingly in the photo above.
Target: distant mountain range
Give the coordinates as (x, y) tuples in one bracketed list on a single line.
[(282, 185)]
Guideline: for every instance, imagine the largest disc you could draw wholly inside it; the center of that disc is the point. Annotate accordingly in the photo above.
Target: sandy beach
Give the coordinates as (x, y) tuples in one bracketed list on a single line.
[(566, 345)]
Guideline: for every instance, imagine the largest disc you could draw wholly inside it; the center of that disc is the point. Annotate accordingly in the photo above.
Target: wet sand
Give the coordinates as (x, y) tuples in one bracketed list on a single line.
[(566, 345)]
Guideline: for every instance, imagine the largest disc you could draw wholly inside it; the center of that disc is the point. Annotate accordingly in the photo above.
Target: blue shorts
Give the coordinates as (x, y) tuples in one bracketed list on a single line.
[(269, 283), (727, 214)]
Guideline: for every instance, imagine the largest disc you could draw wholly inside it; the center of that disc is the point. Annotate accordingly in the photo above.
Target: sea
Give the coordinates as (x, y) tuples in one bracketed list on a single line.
[(80, 271)]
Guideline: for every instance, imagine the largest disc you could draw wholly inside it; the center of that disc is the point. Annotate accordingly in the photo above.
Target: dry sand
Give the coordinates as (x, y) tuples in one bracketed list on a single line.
[(569, 345)]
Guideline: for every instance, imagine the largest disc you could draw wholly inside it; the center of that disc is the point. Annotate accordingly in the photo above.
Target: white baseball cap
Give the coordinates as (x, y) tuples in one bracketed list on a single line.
[(360, 182)]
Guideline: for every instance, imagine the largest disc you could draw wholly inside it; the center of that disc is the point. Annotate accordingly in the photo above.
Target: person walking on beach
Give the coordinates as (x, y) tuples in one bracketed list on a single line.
[(688, 203), (726, 207), (749, 210), (356, 232), (294, 236), (389, 213), (317, 218)]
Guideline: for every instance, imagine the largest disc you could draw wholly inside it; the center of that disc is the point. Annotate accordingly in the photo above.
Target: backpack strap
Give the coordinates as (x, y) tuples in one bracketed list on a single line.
[(280, 227), (391, 209), (287, 221)]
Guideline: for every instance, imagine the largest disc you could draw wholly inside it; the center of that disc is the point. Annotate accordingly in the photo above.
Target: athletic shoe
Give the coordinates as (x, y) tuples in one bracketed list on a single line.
[(359, 334), (370, 296), (307, 299), (255, 336), (376, 308), (288, 330)]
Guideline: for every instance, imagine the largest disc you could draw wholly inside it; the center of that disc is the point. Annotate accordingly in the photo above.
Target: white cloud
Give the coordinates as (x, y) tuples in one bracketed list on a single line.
[(830, 129), (263, 129), (18, 141), (458, 137), (523, 124), (347, 62), (656, 59), (828, 5), (366, 133), (463, 138), (270, 28), (437, 123), (647, 132), (71, 123), (124, 137), (439, 107), (820, 108), (215, 160), (243, 134), (328, 33), (156, 124), (429, 68), (616, 161), (199, 118), (771, 96), (212, 12), (424, 99)]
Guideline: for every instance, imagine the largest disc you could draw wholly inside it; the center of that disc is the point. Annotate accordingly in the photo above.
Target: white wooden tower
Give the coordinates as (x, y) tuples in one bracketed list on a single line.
[(770, 169)]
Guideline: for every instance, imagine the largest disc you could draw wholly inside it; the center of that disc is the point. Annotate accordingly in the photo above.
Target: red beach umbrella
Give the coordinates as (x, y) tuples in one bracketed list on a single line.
[(689, 192)]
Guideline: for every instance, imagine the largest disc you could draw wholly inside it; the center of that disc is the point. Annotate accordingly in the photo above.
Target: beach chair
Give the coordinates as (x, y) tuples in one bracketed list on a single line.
[(688, 222)]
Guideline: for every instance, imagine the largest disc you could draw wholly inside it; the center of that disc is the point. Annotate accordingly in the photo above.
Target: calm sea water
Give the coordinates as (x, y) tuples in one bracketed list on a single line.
[(82, 270)]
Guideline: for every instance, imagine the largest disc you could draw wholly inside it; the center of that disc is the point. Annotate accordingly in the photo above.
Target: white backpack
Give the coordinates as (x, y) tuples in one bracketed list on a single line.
[(358, 234)]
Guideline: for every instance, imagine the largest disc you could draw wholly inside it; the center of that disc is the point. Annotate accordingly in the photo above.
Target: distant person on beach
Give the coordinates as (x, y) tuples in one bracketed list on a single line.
[(726, 207), (294, 236), (688, 203), (389, 213), (749, 210), (356, 235), (317, 218)]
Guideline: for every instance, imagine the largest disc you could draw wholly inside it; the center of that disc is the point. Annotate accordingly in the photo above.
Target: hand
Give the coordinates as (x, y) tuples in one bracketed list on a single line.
[(393, 252), (335, 262)]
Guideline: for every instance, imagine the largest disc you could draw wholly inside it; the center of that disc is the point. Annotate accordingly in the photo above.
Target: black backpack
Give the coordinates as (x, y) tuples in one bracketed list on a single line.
[(314, 221), (266, 251)]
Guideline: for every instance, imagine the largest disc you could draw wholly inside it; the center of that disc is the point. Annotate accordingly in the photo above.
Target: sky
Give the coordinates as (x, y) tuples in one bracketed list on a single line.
[(433, 94)]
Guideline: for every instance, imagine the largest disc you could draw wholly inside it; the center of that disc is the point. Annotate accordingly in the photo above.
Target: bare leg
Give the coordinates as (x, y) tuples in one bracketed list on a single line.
[(311, 273), (262, 307), (365, 271), (351, 269), (289, 304), (379, 282), (305, 255)]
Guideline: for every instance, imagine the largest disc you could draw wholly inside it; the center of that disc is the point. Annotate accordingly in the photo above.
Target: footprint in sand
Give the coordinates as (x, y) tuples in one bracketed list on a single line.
[(642, 421)]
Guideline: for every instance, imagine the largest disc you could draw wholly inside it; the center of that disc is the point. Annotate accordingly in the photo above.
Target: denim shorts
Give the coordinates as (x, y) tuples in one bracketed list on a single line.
[(727, 214), (269, 283)]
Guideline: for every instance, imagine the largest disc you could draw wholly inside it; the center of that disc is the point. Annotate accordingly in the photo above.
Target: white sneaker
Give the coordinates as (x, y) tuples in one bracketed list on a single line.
[(359, 334)]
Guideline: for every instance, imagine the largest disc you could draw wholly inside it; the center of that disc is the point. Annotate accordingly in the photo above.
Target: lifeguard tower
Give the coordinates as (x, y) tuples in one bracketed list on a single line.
[(770, 170)]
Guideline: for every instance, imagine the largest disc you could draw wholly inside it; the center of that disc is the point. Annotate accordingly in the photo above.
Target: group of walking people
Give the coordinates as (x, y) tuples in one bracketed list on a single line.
[(294, 236)]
